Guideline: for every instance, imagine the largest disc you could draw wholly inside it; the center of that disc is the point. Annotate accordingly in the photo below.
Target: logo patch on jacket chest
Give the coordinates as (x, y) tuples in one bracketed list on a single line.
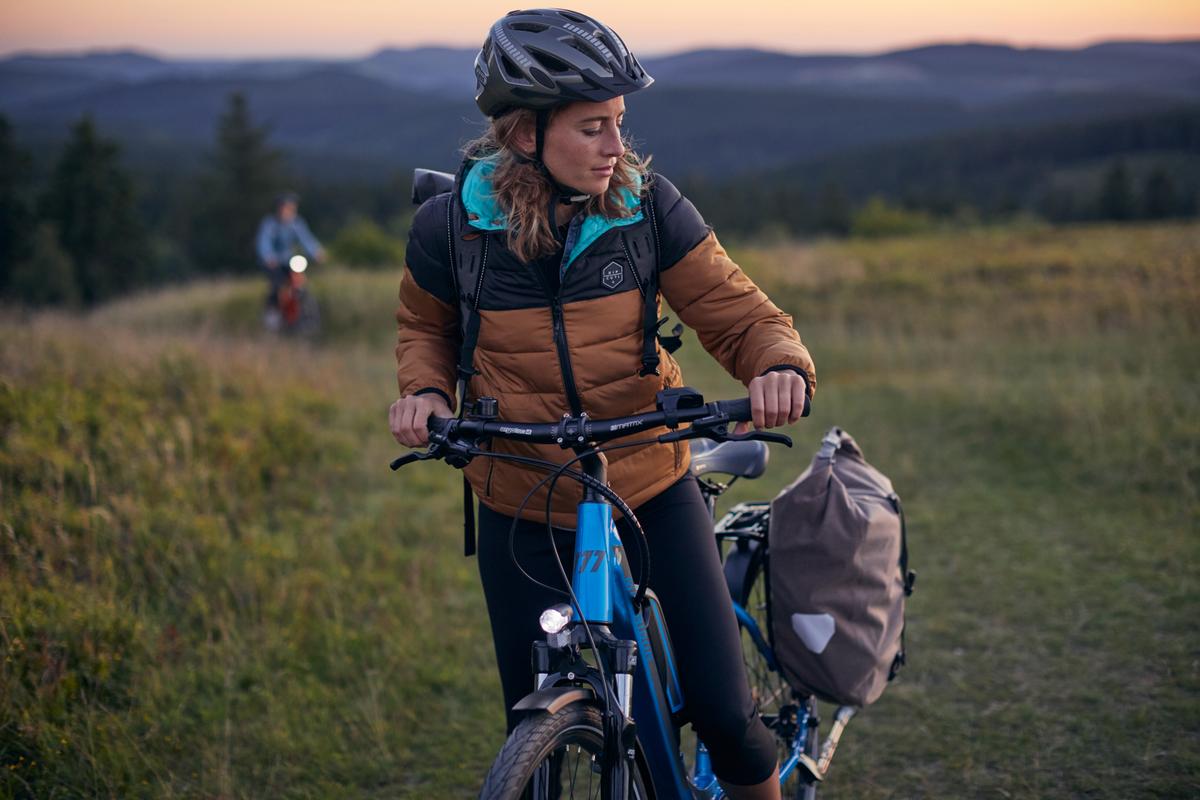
[(612, 274)]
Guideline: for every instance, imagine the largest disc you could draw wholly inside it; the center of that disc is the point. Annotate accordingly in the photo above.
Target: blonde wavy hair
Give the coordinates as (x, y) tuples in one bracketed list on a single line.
[(522, 191)]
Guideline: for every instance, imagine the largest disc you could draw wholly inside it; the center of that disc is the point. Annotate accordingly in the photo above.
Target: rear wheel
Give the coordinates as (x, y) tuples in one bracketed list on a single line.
[(749, 583), (552, 756)]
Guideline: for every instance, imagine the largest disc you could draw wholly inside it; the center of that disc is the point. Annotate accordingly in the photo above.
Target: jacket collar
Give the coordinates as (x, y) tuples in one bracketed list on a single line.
[(484, 212)]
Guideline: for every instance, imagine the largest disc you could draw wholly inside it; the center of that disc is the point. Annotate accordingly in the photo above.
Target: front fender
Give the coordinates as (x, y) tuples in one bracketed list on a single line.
[(554, 698)]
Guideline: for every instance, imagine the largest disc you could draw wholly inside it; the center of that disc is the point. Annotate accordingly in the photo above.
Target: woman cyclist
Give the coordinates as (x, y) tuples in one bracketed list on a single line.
[(574, 223)]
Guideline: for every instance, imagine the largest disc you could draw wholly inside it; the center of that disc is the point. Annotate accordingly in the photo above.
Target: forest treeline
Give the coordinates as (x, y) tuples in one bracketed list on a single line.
[(91, 229), (86, 228)]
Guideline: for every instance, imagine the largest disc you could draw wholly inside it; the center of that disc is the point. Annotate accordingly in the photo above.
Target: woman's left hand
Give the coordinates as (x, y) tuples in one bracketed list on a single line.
[(776, 398)]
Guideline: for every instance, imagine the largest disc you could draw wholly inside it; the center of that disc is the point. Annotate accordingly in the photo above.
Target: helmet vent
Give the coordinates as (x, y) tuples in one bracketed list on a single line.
[(528, 27), (619, 51), (541, 77), (590, 53), (552, 63), (508, 66), (571, 15)]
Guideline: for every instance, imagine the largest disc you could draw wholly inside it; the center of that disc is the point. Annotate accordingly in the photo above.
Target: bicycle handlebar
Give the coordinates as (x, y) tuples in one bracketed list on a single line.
[(676, 406)]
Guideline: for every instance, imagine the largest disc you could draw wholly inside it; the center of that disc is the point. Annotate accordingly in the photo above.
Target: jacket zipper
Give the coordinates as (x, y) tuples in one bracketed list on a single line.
[(560, 329), (564, 357)]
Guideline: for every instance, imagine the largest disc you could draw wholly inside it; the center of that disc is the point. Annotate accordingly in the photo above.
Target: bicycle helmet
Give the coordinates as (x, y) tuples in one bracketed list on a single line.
[(547, 57)]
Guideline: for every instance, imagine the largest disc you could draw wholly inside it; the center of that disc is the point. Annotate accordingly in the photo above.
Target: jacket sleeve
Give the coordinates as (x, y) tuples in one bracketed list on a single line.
[(262, 240), (735, 321), (307, 240), (427, 318)]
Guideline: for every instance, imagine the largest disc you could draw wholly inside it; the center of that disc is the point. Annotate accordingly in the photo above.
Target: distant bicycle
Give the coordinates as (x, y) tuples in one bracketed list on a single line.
[(284, 245), (607, 660), (295, 310)]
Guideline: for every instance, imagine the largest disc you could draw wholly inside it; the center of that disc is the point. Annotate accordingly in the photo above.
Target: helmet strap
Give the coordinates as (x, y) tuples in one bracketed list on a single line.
[(566, 195), (543, 120)]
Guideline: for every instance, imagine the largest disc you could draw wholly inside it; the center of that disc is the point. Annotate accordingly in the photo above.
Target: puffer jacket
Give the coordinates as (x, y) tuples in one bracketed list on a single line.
[(543, 354)]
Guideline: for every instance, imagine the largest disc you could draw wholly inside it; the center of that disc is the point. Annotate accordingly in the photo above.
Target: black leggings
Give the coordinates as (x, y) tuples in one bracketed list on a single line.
[(685, 574)]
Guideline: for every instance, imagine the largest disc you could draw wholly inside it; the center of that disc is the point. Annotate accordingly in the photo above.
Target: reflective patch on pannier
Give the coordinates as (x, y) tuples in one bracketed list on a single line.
[(815, 630)]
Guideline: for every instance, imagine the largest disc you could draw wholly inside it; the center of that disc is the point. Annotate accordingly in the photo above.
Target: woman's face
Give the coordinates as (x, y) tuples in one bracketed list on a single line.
[(583, 143)]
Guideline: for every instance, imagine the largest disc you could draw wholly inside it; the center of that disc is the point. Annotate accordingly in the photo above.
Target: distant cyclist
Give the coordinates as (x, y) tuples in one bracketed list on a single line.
[(281, 235), (579, 238)]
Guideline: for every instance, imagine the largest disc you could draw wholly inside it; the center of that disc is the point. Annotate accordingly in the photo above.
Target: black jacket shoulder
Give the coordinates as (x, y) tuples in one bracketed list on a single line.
[(680, 226), (428, 255)]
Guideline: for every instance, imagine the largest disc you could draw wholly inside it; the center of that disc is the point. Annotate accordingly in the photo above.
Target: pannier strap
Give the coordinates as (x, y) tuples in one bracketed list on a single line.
[(837, 441), (910, 580)]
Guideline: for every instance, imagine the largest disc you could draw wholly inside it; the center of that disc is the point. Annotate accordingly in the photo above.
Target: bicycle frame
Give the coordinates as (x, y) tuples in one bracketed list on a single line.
[(604, 591)]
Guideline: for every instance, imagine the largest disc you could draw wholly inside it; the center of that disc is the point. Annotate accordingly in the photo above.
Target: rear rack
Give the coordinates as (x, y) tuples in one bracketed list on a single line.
[(745, 520)]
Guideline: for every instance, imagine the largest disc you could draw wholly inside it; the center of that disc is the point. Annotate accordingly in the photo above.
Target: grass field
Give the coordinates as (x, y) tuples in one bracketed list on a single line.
[(212, 587)]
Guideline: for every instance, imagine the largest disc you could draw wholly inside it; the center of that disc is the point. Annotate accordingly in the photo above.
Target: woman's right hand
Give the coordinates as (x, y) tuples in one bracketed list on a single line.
[(409, 417)]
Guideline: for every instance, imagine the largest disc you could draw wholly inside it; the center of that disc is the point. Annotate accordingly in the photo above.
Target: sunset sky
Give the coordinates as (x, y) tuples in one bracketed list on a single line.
[(357, 27)]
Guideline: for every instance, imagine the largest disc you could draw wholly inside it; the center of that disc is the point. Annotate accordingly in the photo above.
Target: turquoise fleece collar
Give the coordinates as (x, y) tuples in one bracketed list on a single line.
[(478, 199)]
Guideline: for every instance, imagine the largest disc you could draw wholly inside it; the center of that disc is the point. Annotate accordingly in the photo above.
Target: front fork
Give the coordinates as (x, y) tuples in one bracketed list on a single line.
[(615, 697)]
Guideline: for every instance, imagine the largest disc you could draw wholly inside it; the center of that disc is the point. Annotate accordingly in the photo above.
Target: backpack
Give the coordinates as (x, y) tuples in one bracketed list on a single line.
[(839, 577), (469, 257)]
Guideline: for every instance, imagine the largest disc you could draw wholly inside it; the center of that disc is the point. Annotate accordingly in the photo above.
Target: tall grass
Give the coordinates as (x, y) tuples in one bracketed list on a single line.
[(211, 586)]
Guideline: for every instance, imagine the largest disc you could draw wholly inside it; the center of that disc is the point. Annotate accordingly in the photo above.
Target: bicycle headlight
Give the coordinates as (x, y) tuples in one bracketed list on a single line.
[(555, 618), (298, 263)]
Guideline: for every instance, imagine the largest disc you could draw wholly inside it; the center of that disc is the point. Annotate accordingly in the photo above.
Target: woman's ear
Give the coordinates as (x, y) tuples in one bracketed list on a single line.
[(525, 138)]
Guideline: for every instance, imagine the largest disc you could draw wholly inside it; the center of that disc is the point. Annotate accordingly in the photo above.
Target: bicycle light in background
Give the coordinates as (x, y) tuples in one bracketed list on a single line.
[(298, 263)]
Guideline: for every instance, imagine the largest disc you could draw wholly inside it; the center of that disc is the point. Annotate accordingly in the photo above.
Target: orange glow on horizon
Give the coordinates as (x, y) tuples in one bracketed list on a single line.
[(268, 28)]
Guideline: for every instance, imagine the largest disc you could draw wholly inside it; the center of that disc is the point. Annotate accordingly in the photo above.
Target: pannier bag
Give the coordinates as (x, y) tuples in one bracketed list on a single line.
[(839, 577)]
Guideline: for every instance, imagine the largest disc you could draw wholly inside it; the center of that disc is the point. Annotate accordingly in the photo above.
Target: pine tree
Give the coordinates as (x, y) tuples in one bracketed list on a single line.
[(237, 192), (47, 276), (16, 214), (90, 200), (1159, 199), (1116, 194), (833, 210)]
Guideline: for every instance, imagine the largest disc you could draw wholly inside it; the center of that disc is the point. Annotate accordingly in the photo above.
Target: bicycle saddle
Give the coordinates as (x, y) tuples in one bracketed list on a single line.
[(743, 459)]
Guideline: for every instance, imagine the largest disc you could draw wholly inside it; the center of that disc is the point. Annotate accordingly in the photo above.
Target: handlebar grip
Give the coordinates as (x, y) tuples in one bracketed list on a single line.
[(738, 410)]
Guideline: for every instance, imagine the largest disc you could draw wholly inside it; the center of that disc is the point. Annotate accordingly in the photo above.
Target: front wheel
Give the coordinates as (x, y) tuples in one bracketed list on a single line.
[(307, 321), (553, 756)]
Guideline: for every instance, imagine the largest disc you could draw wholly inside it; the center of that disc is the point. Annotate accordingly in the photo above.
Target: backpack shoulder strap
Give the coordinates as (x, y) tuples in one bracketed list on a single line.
[(641, 251), (467, 250)]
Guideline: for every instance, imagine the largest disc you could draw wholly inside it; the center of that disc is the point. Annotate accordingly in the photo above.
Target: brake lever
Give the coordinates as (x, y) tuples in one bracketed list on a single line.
[(720, 433), (760, 436), (409, 458), (455, 453)]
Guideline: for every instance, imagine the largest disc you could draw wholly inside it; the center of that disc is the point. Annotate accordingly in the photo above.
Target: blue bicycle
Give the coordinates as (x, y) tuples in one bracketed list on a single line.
[(602, 721)]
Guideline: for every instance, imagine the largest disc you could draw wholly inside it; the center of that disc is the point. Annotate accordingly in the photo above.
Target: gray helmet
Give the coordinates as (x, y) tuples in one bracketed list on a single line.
[(548, 57)]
